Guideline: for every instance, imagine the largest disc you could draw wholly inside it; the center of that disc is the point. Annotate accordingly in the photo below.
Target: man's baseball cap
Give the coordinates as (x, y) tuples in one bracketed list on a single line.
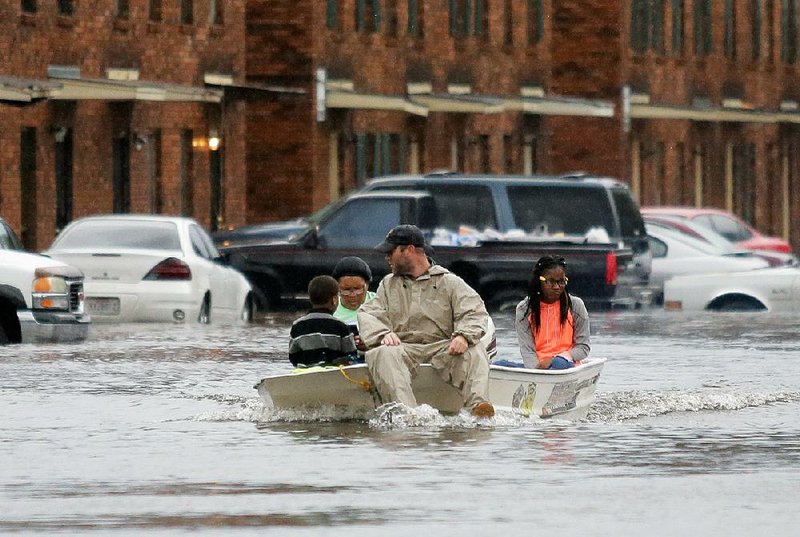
[(403, 235)]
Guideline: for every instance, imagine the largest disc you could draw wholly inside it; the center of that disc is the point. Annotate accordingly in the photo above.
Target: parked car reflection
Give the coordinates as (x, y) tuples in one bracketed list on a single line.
[(152, 268)]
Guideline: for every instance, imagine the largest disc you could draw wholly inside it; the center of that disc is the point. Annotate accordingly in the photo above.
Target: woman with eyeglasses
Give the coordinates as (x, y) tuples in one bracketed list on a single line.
[(353, 275), (552, 325)]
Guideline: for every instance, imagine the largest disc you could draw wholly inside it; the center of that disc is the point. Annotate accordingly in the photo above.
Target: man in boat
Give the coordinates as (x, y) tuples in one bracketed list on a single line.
[(423, 313), (318, 338)]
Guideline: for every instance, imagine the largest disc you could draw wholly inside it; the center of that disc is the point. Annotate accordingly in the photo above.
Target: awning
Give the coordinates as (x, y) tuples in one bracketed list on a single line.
[(24, 90), (370, 101), (739, 115), (459, 103), (561, 106), (76, 89)]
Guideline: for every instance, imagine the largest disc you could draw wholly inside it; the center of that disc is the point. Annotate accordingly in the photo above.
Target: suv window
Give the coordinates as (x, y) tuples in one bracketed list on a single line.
[(347, 229), (727, 227), (457, 204), (559, 210), (630, 219)]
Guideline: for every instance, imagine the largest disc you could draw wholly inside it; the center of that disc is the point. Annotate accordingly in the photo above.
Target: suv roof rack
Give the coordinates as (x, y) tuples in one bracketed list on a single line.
[(576, 175)]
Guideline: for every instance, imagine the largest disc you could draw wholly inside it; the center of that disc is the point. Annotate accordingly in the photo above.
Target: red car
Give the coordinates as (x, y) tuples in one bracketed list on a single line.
[(726, 224)]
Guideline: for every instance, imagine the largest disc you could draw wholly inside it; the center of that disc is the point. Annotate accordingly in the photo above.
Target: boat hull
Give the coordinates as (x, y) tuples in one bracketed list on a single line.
[(566, 393)]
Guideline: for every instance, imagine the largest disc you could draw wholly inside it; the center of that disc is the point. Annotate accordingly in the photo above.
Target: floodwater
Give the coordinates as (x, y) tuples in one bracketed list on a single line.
[(157, 429)]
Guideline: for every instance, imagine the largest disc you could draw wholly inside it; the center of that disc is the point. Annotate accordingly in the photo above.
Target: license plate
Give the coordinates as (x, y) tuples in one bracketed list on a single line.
[(102, 305)]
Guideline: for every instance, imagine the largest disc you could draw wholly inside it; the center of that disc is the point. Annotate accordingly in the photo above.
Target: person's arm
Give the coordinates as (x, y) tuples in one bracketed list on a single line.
[(525, 336), (373, 319), (581, 330)]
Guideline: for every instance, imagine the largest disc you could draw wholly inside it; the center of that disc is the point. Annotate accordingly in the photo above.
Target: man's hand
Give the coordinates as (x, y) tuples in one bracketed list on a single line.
[(390, 340), (458, 345), (360, 343), (544, 363)]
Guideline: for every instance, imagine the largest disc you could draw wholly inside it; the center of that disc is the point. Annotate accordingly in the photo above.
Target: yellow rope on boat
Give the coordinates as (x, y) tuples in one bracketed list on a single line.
[(363, 383)]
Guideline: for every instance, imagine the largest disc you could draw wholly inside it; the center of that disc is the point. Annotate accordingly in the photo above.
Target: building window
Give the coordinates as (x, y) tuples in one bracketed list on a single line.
[(368, 15), (332, 14), (677, 27), (703, 38), (123, 9), (730, 29), (391, 18), (379, 154), (28, 6), (187, 11), (647, 25), (508, 22), (789, 31), (154, 11), (216, 12), (770, 23), (66, 8), (755, 29), (535, 21), (416, 18), (468, 17)]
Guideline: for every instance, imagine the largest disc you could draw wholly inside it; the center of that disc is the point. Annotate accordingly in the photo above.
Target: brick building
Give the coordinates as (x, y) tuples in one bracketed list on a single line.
[(692, 101), (104, 108), (109, 105)]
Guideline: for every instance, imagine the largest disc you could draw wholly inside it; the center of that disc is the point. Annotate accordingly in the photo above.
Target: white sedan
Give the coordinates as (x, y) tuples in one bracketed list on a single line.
[(771, 289), (676, 254), (152, 269)]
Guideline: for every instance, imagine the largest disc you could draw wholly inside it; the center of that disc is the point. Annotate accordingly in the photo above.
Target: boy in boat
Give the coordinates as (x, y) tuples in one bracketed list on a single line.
[(423, 313), (318, 338)]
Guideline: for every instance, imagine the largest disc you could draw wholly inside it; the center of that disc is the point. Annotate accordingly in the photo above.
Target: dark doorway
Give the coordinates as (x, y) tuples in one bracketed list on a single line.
[(122, 174), (63, 169), (27, 178), (215, 171)]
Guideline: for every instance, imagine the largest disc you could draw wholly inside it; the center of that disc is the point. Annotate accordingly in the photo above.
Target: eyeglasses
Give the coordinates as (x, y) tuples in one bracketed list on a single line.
[(352, 292), (554, 283)]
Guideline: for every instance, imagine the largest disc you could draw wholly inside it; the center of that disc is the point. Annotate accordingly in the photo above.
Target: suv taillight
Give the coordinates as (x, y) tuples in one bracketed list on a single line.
[(171, 268), (611, 268)]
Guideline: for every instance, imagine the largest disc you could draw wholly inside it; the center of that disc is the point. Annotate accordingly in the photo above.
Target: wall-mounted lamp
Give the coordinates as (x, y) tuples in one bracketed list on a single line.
[(60, 134), (214, 142), (139, 141)]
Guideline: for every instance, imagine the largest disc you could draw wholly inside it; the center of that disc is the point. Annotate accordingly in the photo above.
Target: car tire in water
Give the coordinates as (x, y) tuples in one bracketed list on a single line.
[(248, 309), (737, 303), (204, 317)]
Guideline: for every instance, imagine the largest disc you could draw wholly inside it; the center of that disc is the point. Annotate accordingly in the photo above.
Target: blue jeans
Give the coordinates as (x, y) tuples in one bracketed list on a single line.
[(559, 362)]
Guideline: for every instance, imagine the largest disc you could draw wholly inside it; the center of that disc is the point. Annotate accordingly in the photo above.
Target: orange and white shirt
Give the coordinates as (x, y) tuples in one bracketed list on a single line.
[(570, 340)]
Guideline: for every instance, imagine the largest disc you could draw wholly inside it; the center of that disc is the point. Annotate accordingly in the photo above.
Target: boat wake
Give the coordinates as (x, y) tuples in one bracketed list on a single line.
[(628, 405)]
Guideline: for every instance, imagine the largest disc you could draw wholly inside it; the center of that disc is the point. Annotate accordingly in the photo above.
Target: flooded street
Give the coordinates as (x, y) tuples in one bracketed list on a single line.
[(696, 430)]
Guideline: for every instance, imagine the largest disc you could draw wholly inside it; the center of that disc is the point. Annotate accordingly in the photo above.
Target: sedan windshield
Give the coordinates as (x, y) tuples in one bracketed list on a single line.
[(136, 234)]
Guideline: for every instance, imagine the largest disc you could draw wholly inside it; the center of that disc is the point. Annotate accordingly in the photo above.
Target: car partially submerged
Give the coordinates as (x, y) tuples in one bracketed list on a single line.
[(770, 289), (676, 254), (153, 269), (41, 299)]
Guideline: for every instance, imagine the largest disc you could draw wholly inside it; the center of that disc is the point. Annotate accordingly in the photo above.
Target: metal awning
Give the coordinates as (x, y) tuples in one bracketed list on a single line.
[(76, 89), (459, 103), (24, 90), (739, 115), (561, 106), (335, 98)]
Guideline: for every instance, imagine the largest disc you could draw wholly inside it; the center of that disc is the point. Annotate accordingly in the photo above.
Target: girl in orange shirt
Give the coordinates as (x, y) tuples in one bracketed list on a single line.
[(552, 325)]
